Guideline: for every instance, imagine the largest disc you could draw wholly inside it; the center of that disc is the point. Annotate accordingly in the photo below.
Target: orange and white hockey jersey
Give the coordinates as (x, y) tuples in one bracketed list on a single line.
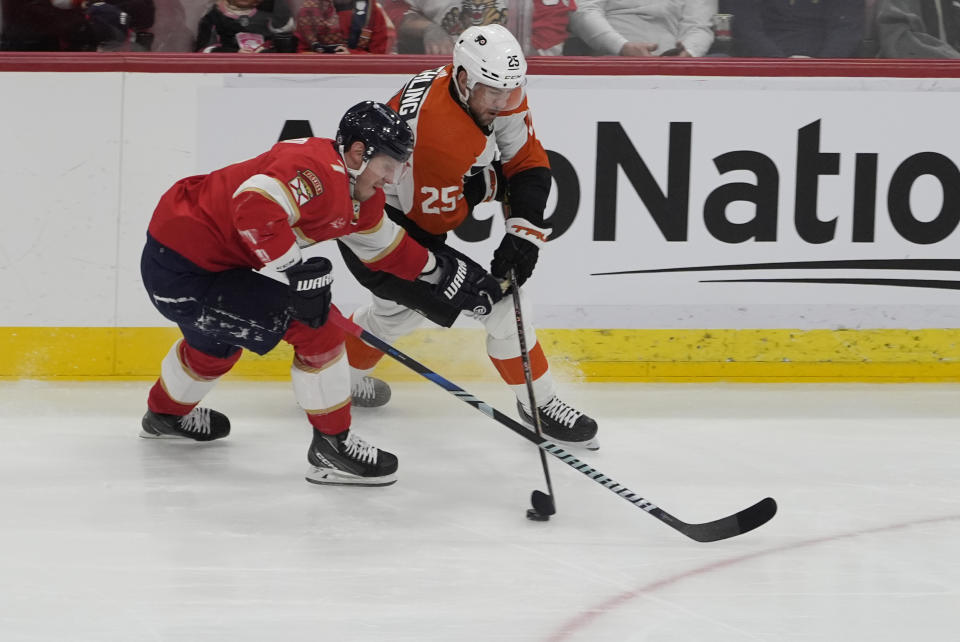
[(449, 144)]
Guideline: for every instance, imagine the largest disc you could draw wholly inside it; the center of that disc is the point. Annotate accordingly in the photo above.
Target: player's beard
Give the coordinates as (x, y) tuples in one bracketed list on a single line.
[(484, 120)]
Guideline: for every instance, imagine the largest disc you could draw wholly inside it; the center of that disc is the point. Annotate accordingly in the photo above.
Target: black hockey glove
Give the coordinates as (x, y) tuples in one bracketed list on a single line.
[(464, 285), (310, 283), (518, 250), (487, 184)]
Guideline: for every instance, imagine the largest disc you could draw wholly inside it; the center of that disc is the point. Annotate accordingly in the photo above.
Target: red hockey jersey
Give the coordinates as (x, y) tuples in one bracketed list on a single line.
[(259, 213)]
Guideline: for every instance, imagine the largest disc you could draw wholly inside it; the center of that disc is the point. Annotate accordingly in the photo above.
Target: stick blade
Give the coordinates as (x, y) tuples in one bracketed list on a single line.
[(542, 503), (736, 524)]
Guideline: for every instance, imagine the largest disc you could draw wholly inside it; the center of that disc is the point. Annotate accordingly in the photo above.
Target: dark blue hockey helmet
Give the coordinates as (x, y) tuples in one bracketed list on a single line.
[(379, 128)]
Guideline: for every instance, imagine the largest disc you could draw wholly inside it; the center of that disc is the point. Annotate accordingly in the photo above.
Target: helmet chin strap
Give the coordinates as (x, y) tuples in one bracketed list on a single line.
[(465, 103), (352, 174), (465, 98)]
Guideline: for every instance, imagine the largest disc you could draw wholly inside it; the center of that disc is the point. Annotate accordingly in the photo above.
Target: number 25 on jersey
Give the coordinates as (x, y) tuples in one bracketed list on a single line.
[(443, 199)]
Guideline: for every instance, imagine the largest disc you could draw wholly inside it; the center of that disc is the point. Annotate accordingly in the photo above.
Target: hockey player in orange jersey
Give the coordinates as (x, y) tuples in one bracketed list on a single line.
[(210, 234), (474, 142)]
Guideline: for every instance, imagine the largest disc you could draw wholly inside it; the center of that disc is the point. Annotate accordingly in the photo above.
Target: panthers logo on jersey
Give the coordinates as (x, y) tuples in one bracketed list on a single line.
[(305, 186)]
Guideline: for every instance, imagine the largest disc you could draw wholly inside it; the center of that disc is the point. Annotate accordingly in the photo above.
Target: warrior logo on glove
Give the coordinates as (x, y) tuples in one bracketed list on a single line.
[(310, 295), (314, 284), (457, 281), (464, 284)]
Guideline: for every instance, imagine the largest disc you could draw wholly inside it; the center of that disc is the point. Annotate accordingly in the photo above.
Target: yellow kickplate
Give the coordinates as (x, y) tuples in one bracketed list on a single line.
[(583, 355)]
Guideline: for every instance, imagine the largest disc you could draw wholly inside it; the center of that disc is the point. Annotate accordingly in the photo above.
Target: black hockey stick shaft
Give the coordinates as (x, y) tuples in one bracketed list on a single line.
[(548, 504), (723, 528)]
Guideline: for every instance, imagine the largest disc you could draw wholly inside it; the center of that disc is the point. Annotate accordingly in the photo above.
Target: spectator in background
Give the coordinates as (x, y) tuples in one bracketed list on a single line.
[(76, 25), (120, 25), (43, 25), (431, 26), (645, 27), (343, 27), (246, 26), (170, 28), (796, 28), (918, 29), (551, 26), (279, 8), (395, 10)]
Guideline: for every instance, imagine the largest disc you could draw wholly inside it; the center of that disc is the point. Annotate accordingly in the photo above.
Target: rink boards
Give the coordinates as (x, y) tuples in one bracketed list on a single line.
[(721, 223), (756, 355)]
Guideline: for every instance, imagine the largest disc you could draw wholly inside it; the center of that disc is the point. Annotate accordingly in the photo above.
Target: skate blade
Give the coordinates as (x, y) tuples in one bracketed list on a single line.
[(150, 435), (590, 444), (332, 477)]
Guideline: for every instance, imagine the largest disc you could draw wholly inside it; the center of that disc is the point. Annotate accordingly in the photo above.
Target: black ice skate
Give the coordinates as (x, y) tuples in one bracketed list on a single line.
[(370, 392), (564, 424), (348, 459), (200, 424)]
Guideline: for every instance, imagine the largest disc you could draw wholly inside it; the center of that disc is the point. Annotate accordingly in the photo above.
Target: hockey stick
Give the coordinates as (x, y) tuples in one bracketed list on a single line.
[(543, 505), (730, 526)]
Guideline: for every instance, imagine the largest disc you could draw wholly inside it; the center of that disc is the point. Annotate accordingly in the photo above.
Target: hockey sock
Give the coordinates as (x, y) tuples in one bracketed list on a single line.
[(511, 370), (186, 375), (322, 389), (320, 376), (360, 355)]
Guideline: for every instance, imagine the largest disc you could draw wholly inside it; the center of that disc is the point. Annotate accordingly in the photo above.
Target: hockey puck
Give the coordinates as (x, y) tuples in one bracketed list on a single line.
[(542, 503), (535, 516)]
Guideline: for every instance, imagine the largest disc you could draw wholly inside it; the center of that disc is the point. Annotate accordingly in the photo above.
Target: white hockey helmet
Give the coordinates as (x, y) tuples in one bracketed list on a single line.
[(491, 56)]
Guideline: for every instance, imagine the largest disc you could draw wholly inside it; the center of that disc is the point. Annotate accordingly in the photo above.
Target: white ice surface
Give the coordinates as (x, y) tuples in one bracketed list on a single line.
[(106, 537)]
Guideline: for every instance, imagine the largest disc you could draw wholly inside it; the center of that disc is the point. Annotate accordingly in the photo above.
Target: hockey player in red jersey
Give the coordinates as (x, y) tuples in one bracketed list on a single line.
[(474, 143), (209, 235)]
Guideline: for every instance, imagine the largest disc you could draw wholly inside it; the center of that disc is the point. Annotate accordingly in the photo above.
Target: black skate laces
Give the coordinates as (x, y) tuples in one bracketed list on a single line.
[(561, 412), (357, 449), (198, 420)]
